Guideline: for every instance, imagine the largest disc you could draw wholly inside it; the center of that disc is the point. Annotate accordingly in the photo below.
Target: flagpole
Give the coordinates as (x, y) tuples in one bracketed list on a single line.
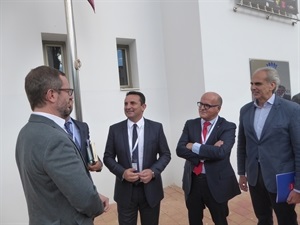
[(73, 57)]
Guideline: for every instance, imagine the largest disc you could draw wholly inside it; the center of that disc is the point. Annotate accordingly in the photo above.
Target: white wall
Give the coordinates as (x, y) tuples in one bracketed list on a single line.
[(184, 69), (184, 48), (229, 39)]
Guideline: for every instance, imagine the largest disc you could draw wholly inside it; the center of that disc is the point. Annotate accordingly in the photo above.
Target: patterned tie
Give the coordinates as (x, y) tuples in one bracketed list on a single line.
[(135, 152), (68, 129), (198, 169)]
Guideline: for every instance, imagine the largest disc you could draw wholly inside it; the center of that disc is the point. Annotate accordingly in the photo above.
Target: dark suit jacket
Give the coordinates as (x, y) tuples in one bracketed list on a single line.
[(117, 159), (84, 133), (278, 149), (287, 97), (296, 98), (84, 136), (54, 176), (221, 178)]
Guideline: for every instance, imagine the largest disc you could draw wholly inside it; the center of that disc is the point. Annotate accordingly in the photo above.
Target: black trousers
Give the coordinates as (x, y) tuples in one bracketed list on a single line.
[(199, 198), (264, 203), (129, 215)]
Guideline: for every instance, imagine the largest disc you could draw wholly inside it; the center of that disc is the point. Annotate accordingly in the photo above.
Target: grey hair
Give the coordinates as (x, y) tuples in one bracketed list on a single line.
[(272, 76)]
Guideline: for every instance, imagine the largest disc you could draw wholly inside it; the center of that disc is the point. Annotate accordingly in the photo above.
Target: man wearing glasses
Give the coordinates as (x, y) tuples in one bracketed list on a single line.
[(208, 179), (55, 180)]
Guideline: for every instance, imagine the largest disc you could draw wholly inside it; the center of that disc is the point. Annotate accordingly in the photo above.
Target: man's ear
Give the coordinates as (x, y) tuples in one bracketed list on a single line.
[(144, 107), (51, 95)]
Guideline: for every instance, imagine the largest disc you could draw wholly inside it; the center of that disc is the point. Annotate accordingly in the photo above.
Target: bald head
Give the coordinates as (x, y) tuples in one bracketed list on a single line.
[(209, 105), (213, 96)]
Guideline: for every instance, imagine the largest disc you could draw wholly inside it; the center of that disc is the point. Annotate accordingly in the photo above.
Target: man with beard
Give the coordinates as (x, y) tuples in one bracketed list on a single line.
[(55, 180)]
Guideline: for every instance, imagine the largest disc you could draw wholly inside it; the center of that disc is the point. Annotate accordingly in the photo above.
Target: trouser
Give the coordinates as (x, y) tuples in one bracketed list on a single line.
[(199, 197), (264, 203), (129, 215)]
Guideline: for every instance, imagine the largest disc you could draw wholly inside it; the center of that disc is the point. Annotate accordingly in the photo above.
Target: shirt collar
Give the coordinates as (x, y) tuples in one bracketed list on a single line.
[(270, 101), (59, 121), (211, 121), (140, 123), (70, 120)]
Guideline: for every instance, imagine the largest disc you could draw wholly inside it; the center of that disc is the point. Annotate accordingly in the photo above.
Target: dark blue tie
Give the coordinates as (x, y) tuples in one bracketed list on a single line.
[(68, 129), (135, 149)]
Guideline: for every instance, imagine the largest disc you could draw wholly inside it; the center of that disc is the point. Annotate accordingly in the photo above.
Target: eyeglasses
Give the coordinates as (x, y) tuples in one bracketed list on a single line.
[(69, 90), (205, 106)]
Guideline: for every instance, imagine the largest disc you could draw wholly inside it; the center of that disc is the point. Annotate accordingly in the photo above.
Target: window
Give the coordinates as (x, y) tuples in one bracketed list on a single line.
[(123, 62), (54, 55), (127, 64)]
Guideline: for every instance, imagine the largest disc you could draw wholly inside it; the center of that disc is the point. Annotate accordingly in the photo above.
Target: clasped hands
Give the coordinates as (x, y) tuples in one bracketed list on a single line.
[(217, 144), (144, 176)]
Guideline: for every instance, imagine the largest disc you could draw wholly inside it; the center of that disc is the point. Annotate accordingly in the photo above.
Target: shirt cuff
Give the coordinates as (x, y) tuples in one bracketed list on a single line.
[(196, 148), (298, 191)]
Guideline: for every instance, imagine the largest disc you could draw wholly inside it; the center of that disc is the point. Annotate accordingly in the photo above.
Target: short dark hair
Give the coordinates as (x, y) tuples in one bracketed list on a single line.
[(38, 81), (142, 96)]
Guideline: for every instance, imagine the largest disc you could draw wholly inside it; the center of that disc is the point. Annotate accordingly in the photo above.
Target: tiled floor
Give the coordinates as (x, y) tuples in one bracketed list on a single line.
[(174, 212)]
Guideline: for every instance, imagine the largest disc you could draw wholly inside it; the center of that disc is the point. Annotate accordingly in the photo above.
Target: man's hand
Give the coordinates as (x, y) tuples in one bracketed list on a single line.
[(131, 175), (189, 146), (105, 201), (146, 176), (219, 143), (293, 198), (243, 183), (96, 167)]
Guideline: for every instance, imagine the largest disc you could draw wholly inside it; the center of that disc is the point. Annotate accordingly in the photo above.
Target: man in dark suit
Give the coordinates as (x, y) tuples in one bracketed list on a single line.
[(269, 144), (208, 179), (81, 136), (281, 92), (138, 185), (52, 171), (296, 98)]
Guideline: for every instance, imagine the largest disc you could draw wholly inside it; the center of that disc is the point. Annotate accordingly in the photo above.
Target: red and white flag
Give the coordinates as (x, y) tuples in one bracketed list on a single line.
[(92, 4)]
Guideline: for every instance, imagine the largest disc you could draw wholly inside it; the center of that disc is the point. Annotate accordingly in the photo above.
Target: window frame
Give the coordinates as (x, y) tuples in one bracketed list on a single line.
[(126, 62), (63, 60)]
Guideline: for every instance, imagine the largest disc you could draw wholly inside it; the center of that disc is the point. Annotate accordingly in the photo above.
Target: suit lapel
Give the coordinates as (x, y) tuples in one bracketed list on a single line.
[(124, 132), (251, 113), (197, 130), (215, 130), (146, 150), (270, 117), (82, 133)]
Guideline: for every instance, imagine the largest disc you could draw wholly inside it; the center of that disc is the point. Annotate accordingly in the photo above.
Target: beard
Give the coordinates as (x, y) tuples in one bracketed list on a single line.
[(66, 110)]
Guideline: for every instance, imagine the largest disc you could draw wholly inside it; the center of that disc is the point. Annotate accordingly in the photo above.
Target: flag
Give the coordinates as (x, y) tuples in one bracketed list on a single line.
[(92, 4)]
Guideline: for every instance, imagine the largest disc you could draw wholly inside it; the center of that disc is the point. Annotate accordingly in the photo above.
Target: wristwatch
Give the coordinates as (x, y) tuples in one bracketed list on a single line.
[(153, 174)]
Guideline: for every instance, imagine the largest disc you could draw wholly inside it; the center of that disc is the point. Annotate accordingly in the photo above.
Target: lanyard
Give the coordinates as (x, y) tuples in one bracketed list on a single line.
[(135, 144), (209, 132), (137, 140)]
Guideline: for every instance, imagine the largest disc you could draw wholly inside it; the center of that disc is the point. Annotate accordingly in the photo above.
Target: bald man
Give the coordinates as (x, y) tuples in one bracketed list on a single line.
[(208, 179)]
